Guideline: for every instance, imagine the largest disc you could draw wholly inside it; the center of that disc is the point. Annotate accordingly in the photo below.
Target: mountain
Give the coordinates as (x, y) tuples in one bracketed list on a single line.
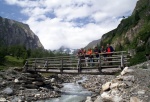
[(16, 33), (92, 44), (133, 33), (65, 50)]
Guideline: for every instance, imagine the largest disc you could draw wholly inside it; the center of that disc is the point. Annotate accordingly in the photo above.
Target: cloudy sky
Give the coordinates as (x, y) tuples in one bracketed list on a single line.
[(70, 23)]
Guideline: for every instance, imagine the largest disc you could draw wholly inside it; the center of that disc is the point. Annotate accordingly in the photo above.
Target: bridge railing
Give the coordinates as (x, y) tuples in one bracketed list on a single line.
[(78, 64)]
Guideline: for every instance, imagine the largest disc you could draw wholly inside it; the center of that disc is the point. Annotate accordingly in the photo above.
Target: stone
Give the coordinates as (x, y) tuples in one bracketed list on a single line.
[(117, 99), (8, 91), (114, 85), (128, 78), (98, 99), (122, 85), (47, 81), (141, 92), (52, 80), (126, 70), (106, 86), (107, 97), (135, 99), (3, 99), (114, 92), (16, 81), (128, 83), (119, 77), (37, 95), (88, 99), (38, 83), (59, 75)]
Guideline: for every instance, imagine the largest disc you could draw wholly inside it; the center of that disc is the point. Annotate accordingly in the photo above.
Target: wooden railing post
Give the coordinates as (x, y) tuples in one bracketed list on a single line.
[(26, 66), (79, 66), (122, 60), (46, 64), (99, 68), (61, 69), (35, 65)]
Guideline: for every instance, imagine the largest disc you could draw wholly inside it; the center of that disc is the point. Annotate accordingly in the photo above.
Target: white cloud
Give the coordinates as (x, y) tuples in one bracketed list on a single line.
[(72, 23)]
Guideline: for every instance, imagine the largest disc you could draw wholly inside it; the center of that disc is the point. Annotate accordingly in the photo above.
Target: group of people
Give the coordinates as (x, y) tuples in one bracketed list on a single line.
[(91, 53)]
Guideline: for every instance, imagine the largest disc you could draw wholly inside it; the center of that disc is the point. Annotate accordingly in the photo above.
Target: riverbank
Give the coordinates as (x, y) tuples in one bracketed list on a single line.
[(22, 86)]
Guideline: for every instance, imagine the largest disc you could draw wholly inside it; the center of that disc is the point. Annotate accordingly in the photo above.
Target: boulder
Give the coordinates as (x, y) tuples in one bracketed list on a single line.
[(126, 70), (106, 86), (117, 99), (98, 99), (38, 83), (88, 99), (3, 99), (128, 78), (114, 85), (59, 75), (135, 99), (16, 81), (106, 97), (141, 92), (52, 80), (8, 91)]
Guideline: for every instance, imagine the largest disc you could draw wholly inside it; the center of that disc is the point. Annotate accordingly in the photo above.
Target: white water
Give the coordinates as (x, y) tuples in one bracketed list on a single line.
[(72, 92)]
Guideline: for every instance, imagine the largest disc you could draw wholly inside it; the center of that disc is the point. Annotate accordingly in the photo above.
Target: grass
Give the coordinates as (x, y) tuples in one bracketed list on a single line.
[(11, 61)]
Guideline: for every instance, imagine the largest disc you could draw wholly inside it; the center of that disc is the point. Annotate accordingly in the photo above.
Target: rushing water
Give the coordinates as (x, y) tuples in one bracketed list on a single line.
[(72, 92)]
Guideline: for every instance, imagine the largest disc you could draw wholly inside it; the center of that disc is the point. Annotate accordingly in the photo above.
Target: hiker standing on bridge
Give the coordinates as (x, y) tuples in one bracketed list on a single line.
[(96, 52), (103, 52), (109, 51), (90, 56), (81, 55)]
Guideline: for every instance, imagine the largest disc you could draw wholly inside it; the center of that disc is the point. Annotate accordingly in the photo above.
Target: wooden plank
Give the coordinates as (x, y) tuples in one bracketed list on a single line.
[(110, 66), (90, 67)]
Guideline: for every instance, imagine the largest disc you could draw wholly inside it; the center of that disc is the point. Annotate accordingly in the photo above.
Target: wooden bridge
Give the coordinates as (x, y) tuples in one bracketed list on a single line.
[(77, 65)]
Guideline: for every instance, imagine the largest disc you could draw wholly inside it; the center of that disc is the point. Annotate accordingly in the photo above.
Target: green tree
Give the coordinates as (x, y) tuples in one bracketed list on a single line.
[(3, 53)]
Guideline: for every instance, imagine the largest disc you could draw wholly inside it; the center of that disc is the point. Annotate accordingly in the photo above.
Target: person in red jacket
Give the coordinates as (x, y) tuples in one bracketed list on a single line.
[(109, 51), (89, 55)]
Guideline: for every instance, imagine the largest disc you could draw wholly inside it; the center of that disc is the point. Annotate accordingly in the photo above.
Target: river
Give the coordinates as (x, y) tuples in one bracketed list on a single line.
[(71, 92)]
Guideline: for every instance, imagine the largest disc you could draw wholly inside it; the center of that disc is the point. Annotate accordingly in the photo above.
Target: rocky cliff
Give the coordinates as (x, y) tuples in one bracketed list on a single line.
[(17, 33), (133, 32)]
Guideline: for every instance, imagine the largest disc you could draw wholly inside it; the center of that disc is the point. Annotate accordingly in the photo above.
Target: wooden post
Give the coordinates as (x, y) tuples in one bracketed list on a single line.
[(46, 64), (61, 69), (99, 68), (79, 66), (35, 65), (26, 66), (122, 61)]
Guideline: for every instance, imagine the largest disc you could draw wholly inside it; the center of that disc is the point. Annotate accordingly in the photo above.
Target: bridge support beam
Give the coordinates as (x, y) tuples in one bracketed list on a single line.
[(99, 68), (79, 66), (61, 68), (122, 61)]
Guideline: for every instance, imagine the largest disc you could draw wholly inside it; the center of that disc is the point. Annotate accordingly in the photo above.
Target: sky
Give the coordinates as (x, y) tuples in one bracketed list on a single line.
[(69, 23)]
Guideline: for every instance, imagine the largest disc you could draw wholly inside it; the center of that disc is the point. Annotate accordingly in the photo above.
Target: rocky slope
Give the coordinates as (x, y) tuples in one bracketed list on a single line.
[(131, 85), (17, 33)]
